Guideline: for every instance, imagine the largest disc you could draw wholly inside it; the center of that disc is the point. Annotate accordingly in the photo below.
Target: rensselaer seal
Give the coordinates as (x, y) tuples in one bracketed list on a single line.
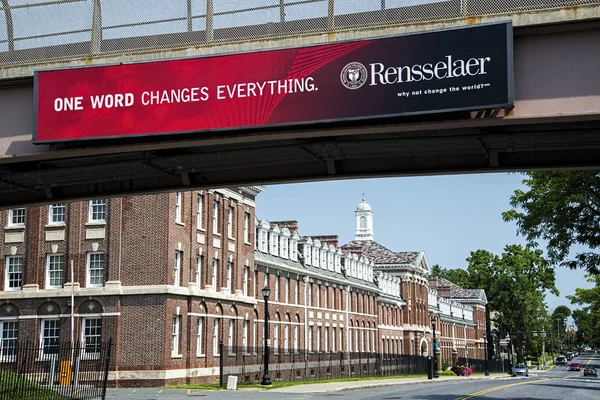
[(353, 75)]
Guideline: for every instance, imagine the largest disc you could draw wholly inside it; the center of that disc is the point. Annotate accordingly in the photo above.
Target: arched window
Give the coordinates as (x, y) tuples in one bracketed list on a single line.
[(363, 222)]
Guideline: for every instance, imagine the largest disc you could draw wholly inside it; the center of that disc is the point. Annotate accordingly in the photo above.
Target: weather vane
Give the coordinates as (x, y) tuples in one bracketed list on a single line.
[(364, 195)]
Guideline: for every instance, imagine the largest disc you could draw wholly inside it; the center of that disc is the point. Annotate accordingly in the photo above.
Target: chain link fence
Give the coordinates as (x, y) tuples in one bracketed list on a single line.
[(33, 31)]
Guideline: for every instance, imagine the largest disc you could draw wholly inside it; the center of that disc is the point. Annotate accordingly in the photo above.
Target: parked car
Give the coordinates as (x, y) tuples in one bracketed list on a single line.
[(575, 367), (569, 356), (520, 369), (590, 371), (561, 360)]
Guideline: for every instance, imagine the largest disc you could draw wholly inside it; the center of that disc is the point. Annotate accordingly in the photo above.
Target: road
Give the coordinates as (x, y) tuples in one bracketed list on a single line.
[(557, 383)]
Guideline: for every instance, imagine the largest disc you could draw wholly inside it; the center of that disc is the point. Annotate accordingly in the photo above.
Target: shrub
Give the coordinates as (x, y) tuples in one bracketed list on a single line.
[(447, 373), (445, 365)]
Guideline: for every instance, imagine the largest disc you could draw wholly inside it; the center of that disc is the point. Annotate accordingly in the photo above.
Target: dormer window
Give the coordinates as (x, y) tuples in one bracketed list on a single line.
[(263, 241), (330, 261), (284, 247), (323, 259), (307, 255), (315, 260), (338, 263), (274, 244)]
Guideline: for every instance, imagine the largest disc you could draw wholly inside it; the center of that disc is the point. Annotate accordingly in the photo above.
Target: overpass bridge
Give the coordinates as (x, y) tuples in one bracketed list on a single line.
[(553, 124)]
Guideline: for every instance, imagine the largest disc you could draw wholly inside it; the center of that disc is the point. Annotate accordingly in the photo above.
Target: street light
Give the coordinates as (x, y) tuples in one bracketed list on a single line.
[(487, 372), (266, 380), (435, 360)]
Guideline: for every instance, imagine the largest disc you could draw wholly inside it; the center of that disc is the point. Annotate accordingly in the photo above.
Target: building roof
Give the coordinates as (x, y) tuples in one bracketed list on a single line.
[(364, 206), (457, 292), (379, 253)]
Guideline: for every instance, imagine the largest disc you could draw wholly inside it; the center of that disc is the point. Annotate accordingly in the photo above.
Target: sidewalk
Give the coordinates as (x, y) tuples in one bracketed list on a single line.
[(359, 385)]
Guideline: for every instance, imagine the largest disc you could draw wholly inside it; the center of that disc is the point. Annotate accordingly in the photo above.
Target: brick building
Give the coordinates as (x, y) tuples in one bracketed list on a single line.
[(171, 276)]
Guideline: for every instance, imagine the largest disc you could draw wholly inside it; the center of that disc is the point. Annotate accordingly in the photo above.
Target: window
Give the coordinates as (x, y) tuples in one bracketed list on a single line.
[(318, 295), (92, 332), (50, 334), (286, 344), (230, 222), (199, 207), (246, 228), (309, 293), (16, 217), (229, 268), (199, 337), (230, 337), (363, 222), (56, 214), (215, 217), (341, 339), (177, 269), (274, 244), (9, 333), (276, 289), (178, 207), (263, 241), (215, 266), (54, 271), (245, 337), (295, 339), (216, 337), (95, 269), (287, 290), (246, 274), (198, 277), (318, 339), (14, 272), (296, 286), (333, 333), (175, 336), (310, 334), (326, 339), (97, 211), (276, 338)]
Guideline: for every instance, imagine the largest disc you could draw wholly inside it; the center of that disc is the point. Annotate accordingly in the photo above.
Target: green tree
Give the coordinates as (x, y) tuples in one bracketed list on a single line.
[(587, 318), (562, 208), (515, 284)]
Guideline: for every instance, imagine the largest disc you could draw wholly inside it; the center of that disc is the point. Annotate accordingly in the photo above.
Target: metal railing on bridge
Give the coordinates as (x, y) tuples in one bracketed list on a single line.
[(33, 31)]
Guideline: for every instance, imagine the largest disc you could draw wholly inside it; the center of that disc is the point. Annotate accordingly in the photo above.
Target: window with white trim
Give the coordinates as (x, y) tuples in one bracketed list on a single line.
[(54, 271), (216, 337), (276, 289), (333, 333), (199, 207), (175, 336), (95, 269), (91, 335), (266, 280), (198, 274), (274, 244), (326, 339), (287, 291), (200, 337), (50, 336), (177, 268), (318, 339), (230, 222), (9, 335), (276, 338), (263, 241), (296, 289), (286, 344), (213, 278), (246, 227), (14, 273), (229, 278), (246, 275), (215, 217), (341, 339), (97, 211), (318, 295), (295, 339), (245, 337), (230, 337), (178, 207), (284, 247), (16, 217), (310, 335), (57, 214)]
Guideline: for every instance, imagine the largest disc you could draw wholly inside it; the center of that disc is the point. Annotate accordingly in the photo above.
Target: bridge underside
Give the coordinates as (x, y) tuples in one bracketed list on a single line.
[(369, 151)]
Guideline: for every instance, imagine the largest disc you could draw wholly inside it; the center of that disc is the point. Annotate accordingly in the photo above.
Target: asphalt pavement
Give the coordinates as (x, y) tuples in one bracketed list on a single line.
[(556, 383)]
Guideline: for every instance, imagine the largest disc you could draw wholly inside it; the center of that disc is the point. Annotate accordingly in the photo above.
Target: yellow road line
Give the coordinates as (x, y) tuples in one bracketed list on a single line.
[(493, 389), (589, 361)]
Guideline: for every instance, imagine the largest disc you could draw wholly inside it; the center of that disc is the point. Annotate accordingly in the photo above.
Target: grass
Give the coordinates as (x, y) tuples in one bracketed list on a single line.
[(282, 384)]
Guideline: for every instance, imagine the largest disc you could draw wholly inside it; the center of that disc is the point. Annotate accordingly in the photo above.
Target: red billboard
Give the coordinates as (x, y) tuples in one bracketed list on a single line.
[(457, 69)]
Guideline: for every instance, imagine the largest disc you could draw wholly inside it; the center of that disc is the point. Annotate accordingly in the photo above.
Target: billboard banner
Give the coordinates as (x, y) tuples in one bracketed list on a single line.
[(451, 70)]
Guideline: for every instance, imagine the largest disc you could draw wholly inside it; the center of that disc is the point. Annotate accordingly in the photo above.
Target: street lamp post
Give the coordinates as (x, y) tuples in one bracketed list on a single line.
[(487, 372), (266, 380), (435, 360)]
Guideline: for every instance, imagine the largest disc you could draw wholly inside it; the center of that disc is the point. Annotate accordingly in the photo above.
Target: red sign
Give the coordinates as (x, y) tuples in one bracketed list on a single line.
[(470, 69)]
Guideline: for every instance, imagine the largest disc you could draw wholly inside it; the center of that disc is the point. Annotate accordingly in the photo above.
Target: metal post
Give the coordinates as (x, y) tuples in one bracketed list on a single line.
[(221, 363), (189, 16), (266, 380), (209, 21), (281, 10), (96, 39), (106, 369), (485, 341), (330, 15), (435, 360), (9, 25)]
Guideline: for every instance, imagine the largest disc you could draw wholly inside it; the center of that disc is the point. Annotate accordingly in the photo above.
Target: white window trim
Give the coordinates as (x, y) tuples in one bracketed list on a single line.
[(229, 271), (230, 222), (90, 213), (198, 272), (200, 337), (43, 356), (178, 206), (48, 257), (214, 271), (51, 214), (86, 355), (6, 280), (175, 335), (87, 270), (177, 268), (216, 337), (7, 358), (199, 212), (246, 278), (10, 218), (247, 228), (215, 218)]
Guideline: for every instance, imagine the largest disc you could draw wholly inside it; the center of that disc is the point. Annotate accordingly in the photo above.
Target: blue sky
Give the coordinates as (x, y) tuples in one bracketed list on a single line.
[(445, 216)]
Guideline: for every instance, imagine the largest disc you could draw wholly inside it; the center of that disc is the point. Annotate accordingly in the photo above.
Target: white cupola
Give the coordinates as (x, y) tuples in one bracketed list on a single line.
[(364, 222)]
